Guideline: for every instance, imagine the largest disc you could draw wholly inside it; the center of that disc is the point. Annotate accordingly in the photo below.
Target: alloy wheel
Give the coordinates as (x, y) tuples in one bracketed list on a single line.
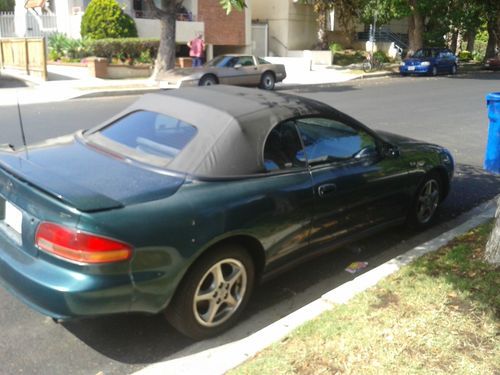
[(428, 200), (220, 292)]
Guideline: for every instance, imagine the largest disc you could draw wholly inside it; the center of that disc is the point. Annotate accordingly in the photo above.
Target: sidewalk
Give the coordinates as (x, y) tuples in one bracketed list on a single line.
[(65, 84)]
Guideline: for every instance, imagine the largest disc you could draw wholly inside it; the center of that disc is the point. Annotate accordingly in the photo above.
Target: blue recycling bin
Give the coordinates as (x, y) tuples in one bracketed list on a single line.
[(492, 155)]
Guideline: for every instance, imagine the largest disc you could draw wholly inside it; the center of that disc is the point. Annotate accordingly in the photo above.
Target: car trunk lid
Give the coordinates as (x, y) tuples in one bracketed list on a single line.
[(86, 178)]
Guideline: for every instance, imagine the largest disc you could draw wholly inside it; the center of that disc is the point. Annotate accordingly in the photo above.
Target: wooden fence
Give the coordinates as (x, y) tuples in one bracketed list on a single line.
[(25, 54)]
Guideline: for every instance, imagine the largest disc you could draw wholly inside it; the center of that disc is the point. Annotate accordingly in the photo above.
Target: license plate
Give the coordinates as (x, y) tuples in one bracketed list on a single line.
[(13, 217), (411, 68)]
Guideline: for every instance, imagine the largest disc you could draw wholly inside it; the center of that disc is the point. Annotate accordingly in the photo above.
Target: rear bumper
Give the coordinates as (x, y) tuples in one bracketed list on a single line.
[(60, 292)]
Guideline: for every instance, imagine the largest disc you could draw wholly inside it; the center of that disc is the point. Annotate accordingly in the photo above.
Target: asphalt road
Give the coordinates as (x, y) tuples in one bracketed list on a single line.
[(446, 110)]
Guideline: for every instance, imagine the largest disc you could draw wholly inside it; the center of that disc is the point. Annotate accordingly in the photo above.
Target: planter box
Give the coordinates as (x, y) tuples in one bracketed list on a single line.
[(184, 62), (128, 71), (97, 67)]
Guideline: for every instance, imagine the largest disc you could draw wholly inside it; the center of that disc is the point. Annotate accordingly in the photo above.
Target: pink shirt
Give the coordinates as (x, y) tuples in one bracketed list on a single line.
[(197, 47)]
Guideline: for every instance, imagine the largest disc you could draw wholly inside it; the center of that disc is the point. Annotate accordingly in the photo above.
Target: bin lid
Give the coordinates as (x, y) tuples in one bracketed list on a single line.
[(493, 96)]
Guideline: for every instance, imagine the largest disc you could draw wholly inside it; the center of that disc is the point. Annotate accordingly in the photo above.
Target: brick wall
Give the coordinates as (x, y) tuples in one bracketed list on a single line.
[(221, 29)]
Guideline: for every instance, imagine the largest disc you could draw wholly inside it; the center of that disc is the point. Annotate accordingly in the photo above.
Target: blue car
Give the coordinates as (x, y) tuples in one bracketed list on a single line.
[(430, 61)]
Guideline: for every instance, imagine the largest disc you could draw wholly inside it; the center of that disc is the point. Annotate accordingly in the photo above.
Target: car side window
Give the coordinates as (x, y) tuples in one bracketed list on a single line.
[(283, 148), (232, 62), (326, 141), (246, 61)]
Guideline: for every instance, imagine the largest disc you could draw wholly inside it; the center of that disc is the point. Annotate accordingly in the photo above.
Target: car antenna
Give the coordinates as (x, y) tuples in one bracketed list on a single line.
[(23, 135)]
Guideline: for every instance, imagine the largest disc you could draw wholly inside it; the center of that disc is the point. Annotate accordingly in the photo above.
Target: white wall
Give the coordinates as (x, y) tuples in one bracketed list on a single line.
[(184, 31), (292, 25), (20, 19), (302, 32)]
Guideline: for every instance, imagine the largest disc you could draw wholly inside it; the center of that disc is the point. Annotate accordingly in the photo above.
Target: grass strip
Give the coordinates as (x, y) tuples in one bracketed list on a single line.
[(438, 315)]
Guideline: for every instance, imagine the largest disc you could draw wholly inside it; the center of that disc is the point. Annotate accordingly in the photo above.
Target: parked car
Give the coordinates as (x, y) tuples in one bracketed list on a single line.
[(187, 199), (430, 61), (493, 63), (244, 70)]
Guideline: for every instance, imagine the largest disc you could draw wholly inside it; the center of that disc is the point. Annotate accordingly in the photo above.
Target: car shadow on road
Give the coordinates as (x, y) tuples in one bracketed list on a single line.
[(138, 340)]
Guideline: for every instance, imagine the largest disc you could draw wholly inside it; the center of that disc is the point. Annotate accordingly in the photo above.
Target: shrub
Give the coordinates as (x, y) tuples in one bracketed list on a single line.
[(125, 49), (381, 56), (61, 46), (465, 56), (106, 19), (335, 47)]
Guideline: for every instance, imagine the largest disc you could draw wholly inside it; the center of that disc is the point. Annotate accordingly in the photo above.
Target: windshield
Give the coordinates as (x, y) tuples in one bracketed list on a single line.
[(424, 53), (223, 61)]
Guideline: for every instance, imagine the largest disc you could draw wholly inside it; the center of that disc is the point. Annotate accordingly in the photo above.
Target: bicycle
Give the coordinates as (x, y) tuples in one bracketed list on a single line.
[(371, 63)]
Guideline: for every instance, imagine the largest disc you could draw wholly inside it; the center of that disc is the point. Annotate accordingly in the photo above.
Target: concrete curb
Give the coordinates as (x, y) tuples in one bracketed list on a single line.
[(225, 354)]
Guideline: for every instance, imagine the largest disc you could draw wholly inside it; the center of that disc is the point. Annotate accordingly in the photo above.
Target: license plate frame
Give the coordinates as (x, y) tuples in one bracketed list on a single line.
[(411, 68)]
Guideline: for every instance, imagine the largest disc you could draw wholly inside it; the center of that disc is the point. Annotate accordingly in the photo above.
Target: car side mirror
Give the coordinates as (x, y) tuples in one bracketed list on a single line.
[(391, 151), (237, 66)]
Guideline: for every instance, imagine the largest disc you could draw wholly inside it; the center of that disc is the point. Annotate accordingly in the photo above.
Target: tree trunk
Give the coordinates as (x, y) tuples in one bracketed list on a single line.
[(471, 40), (415, 28), (490, 47), (419, 29), (411, 33), (454, 41), (165, 59), (492, 254)]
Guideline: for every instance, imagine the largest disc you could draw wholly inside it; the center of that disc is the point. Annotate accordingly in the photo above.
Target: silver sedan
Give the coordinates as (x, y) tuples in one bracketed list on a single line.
[(244, 70)]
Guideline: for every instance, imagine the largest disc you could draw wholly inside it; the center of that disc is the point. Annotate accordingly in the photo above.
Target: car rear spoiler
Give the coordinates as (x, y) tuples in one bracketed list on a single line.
[(56, 186)]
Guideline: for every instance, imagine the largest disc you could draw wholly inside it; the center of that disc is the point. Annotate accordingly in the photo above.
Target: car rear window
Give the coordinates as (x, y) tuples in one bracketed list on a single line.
[(150, 133)]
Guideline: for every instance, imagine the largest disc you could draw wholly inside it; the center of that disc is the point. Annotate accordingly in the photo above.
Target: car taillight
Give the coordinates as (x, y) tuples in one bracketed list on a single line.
[(80, 247)]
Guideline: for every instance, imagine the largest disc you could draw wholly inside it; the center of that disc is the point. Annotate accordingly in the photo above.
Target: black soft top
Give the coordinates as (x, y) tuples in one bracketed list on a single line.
[(232, 122)]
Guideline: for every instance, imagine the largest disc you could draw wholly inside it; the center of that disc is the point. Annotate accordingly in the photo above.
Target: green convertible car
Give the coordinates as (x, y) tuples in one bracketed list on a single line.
[(184, 201)]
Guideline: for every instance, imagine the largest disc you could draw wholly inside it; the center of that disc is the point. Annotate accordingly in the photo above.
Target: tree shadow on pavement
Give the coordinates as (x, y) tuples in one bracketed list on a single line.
[(59, 77), (320, 87), (8, 82), (486, 75), (139, 340)]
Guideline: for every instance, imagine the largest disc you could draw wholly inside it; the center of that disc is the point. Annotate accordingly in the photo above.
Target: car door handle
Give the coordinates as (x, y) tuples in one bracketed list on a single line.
[(324, 190)]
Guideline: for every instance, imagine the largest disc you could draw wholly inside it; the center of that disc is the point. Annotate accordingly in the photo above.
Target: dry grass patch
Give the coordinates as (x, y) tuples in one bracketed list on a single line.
[(439, 315)]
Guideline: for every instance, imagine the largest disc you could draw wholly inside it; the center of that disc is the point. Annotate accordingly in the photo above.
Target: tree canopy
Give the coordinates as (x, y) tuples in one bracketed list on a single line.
[(7, 5), (429, 20)]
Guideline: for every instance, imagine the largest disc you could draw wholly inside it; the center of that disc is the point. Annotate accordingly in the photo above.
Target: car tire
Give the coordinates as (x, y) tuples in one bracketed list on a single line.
[(208, 80), (403, 74), (434, 71), (213, 293), (267, 81), (454, 69), (426, 201)]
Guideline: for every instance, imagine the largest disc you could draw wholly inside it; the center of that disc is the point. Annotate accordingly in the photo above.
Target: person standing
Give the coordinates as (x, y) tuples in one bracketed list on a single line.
[(196, 49)]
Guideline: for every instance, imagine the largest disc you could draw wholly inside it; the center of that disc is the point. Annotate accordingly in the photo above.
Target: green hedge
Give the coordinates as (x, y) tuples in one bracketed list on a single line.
[(125, 48), (130, 50)]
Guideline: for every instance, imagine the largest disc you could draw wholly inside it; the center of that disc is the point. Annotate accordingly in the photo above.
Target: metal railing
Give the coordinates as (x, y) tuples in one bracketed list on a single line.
[(386, 36), (36, 25), (7, 25), (40, 25)]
